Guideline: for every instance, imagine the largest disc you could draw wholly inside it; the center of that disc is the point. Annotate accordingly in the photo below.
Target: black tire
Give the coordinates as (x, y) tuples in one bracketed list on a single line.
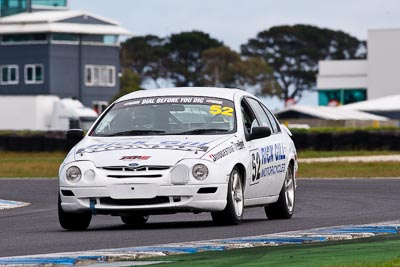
[(135, 220), (73, 221), (232, 214), (284, 207)]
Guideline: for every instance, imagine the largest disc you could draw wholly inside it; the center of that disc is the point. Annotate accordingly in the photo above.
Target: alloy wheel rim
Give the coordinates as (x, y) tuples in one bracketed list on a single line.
[(237, 194), (289, 190)]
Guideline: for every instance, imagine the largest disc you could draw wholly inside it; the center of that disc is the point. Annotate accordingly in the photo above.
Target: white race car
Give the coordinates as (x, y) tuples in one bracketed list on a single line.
[(179, 150)]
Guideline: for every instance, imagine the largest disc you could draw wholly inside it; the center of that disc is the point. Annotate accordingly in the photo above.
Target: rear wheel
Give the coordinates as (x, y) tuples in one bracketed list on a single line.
[(73, 221), (135, 220), (233, 212), (283, 208)]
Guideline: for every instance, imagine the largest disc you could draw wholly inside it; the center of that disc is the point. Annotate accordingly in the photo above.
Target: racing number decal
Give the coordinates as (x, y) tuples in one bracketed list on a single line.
[(255, 167), (228, 111), (217, 109)]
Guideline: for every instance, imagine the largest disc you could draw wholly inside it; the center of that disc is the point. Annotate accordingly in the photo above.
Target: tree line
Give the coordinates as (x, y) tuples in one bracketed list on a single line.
[(281, 61)]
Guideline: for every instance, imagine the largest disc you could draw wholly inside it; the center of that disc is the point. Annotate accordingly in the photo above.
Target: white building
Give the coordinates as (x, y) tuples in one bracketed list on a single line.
[(348, 81), (383, 63)]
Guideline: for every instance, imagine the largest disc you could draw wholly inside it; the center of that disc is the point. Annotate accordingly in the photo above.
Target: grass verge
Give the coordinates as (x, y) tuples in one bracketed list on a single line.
[(46, 164), (30, 164), (349, 169), (377, 251)]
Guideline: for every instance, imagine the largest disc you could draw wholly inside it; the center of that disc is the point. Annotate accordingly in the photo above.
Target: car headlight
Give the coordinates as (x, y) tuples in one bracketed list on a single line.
[(200, 172), (73, 174)]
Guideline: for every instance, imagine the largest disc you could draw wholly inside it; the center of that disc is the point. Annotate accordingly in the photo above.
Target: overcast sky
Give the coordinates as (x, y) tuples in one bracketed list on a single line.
[(235, 21)]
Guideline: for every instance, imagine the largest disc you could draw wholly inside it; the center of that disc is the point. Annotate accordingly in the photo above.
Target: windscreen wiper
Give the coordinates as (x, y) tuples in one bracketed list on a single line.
[(136, 132), (204, 131)]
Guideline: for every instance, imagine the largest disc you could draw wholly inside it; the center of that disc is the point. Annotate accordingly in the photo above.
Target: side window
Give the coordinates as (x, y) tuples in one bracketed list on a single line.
[(274, 122), (99, 75), (9, 74), (259, 111), (33, 73), (249, 120)]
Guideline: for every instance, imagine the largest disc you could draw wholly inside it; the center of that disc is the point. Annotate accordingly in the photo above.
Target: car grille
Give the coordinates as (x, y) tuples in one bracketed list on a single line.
[(133, 202), (132, 172), (135, 176), (138, 169)]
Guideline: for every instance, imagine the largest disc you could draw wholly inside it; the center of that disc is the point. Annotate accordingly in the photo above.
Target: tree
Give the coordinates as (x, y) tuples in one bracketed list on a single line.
[(294, 51), (129, 82), (185, 51), (176, 58), (223, 67), (147, 56)]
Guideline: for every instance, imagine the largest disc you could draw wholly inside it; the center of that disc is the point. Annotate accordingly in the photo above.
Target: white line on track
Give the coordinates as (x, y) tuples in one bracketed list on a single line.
[(11, 204)]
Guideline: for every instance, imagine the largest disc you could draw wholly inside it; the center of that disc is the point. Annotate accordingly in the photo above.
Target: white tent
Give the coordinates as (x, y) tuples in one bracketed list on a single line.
[(329, 113), (387, 103)]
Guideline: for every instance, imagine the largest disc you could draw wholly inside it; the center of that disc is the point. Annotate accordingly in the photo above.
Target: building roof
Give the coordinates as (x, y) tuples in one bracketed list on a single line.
[(387, 103), (331, 113), (60, 22)]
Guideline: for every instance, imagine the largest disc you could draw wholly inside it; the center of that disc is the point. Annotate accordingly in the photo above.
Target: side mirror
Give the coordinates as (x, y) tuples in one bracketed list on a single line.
[(74, 136), (259, 132)]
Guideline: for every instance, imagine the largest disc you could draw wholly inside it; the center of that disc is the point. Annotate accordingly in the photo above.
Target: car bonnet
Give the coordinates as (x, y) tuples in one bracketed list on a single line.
[(149, 150)]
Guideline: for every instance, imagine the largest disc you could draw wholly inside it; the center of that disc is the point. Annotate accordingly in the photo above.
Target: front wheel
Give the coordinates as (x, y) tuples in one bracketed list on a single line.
[(233, 212), (283, 208), (73, 221)]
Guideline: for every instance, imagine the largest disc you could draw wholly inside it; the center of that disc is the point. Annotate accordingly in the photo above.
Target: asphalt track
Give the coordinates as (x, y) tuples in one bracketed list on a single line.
[(320, 203)]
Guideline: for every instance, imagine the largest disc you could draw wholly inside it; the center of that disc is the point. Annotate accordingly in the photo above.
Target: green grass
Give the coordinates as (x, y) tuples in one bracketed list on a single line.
[(21, 133), (46, 164), (378, 251), (343, 153), (349, 169), (389, 263), (30, 164)]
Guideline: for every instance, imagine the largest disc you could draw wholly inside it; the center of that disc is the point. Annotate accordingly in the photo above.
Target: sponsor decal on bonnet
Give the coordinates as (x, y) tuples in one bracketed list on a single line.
[(169, 145), (223, 153), (135, 157), (238, 145)]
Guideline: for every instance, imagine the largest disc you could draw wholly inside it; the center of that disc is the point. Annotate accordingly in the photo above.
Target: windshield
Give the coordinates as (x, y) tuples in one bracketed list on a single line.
[(171, 115)]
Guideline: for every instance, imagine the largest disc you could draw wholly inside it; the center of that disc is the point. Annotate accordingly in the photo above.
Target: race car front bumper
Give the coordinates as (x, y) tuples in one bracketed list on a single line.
[(125, 198), (170, 190)]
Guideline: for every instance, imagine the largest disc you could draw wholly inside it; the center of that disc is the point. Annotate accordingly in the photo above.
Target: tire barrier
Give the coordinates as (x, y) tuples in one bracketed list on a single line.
[(357, 140), (367, 140), (45, 142)]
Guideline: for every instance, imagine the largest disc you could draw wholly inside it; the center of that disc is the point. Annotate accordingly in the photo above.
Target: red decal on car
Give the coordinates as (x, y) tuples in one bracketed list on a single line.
[(135, 157)]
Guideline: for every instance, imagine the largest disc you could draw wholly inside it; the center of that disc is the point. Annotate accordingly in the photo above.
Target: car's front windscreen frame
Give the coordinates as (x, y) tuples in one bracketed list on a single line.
[(217, 108)]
